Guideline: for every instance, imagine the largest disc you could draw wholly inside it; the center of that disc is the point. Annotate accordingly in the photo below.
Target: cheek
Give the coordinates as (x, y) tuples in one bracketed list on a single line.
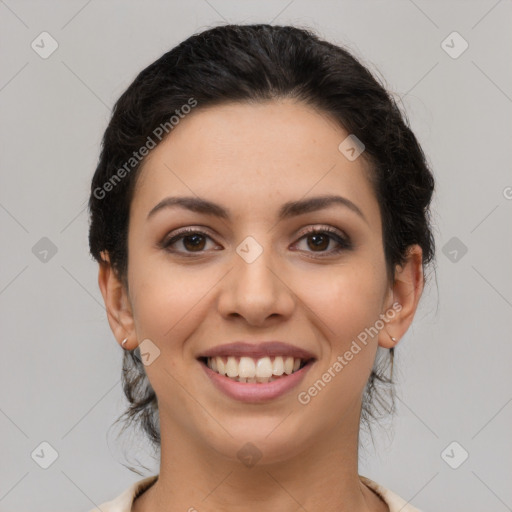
[(169, 304), (347, 299), (167, 301), (346, 305)]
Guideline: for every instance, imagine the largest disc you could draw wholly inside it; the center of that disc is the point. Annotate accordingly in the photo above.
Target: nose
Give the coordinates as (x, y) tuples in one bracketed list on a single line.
[(256, 290)]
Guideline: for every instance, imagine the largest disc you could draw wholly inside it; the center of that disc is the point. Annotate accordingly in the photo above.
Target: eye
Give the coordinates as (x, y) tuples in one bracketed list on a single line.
[(319, 239), (193, 240)]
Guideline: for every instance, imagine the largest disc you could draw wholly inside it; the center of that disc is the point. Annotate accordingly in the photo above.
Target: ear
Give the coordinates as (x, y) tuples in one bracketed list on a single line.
[(117, 303), (406, 292)]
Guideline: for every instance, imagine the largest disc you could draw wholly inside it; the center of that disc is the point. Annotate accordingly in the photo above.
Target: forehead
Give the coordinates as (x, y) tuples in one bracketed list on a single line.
[(252, 157)]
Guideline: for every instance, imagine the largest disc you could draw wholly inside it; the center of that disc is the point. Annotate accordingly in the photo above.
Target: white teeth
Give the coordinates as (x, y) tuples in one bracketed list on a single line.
[(264, 368), (288, 365), (247, 369), (232, 367), (221, 367), (278, 367)]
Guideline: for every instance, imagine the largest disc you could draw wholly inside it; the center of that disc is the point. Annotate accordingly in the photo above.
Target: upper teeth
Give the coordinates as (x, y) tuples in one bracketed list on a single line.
[(256, 369)]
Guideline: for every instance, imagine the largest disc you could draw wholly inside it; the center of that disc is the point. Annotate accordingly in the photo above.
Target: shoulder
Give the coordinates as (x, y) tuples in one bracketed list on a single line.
[(123, 503), (392, 500)]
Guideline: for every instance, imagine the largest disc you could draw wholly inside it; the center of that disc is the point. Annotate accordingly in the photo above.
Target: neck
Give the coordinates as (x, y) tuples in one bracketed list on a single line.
[(320, 476)]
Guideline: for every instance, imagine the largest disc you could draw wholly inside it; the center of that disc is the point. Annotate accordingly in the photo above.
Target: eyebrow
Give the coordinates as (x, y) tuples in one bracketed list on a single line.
[(287, 210)]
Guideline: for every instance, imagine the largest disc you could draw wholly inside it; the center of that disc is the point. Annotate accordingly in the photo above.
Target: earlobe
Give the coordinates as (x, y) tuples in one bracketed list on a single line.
[(117, 303), (406, 292)]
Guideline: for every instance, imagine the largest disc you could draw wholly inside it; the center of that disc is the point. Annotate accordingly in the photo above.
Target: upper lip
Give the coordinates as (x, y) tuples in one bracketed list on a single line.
[(258, 350)]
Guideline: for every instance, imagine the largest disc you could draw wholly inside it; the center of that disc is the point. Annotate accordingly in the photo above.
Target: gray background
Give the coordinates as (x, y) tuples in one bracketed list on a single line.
[(60, 370)]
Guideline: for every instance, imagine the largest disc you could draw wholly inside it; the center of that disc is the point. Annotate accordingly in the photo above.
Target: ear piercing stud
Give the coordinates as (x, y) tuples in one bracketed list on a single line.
[(123, 342), (392, 338)]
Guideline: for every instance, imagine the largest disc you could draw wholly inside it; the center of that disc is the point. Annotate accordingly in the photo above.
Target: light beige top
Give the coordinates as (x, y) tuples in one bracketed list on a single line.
[(123, 503)]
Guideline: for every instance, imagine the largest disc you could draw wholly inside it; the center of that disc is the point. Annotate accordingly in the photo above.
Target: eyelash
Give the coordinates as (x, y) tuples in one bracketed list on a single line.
[(344, 243)]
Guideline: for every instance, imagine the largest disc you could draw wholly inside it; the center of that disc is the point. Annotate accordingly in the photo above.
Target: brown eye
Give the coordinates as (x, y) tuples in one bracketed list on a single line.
[(193, 242), (319, 241)]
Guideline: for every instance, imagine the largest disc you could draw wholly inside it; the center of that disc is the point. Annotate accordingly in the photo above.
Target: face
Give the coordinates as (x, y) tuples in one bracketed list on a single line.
[(256, 275)]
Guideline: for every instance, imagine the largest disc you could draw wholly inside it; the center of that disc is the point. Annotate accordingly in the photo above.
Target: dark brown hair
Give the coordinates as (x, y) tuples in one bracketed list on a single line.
[(258, 63)]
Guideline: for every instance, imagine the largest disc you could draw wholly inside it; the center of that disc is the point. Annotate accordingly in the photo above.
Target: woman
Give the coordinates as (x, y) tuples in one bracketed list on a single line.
[(260, 218)]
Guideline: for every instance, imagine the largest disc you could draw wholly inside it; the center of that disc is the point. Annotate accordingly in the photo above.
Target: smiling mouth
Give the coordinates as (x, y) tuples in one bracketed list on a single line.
[(254, 370)]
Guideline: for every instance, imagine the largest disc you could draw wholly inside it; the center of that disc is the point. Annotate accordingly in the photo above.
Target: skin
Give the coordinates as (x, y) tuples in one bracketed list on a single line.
[(252, 158)]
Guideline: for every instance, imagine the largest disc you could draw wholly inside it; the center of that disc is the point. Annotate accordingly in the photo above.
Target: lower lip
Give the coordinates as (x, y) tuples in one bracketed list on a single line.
[(256, 392)]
